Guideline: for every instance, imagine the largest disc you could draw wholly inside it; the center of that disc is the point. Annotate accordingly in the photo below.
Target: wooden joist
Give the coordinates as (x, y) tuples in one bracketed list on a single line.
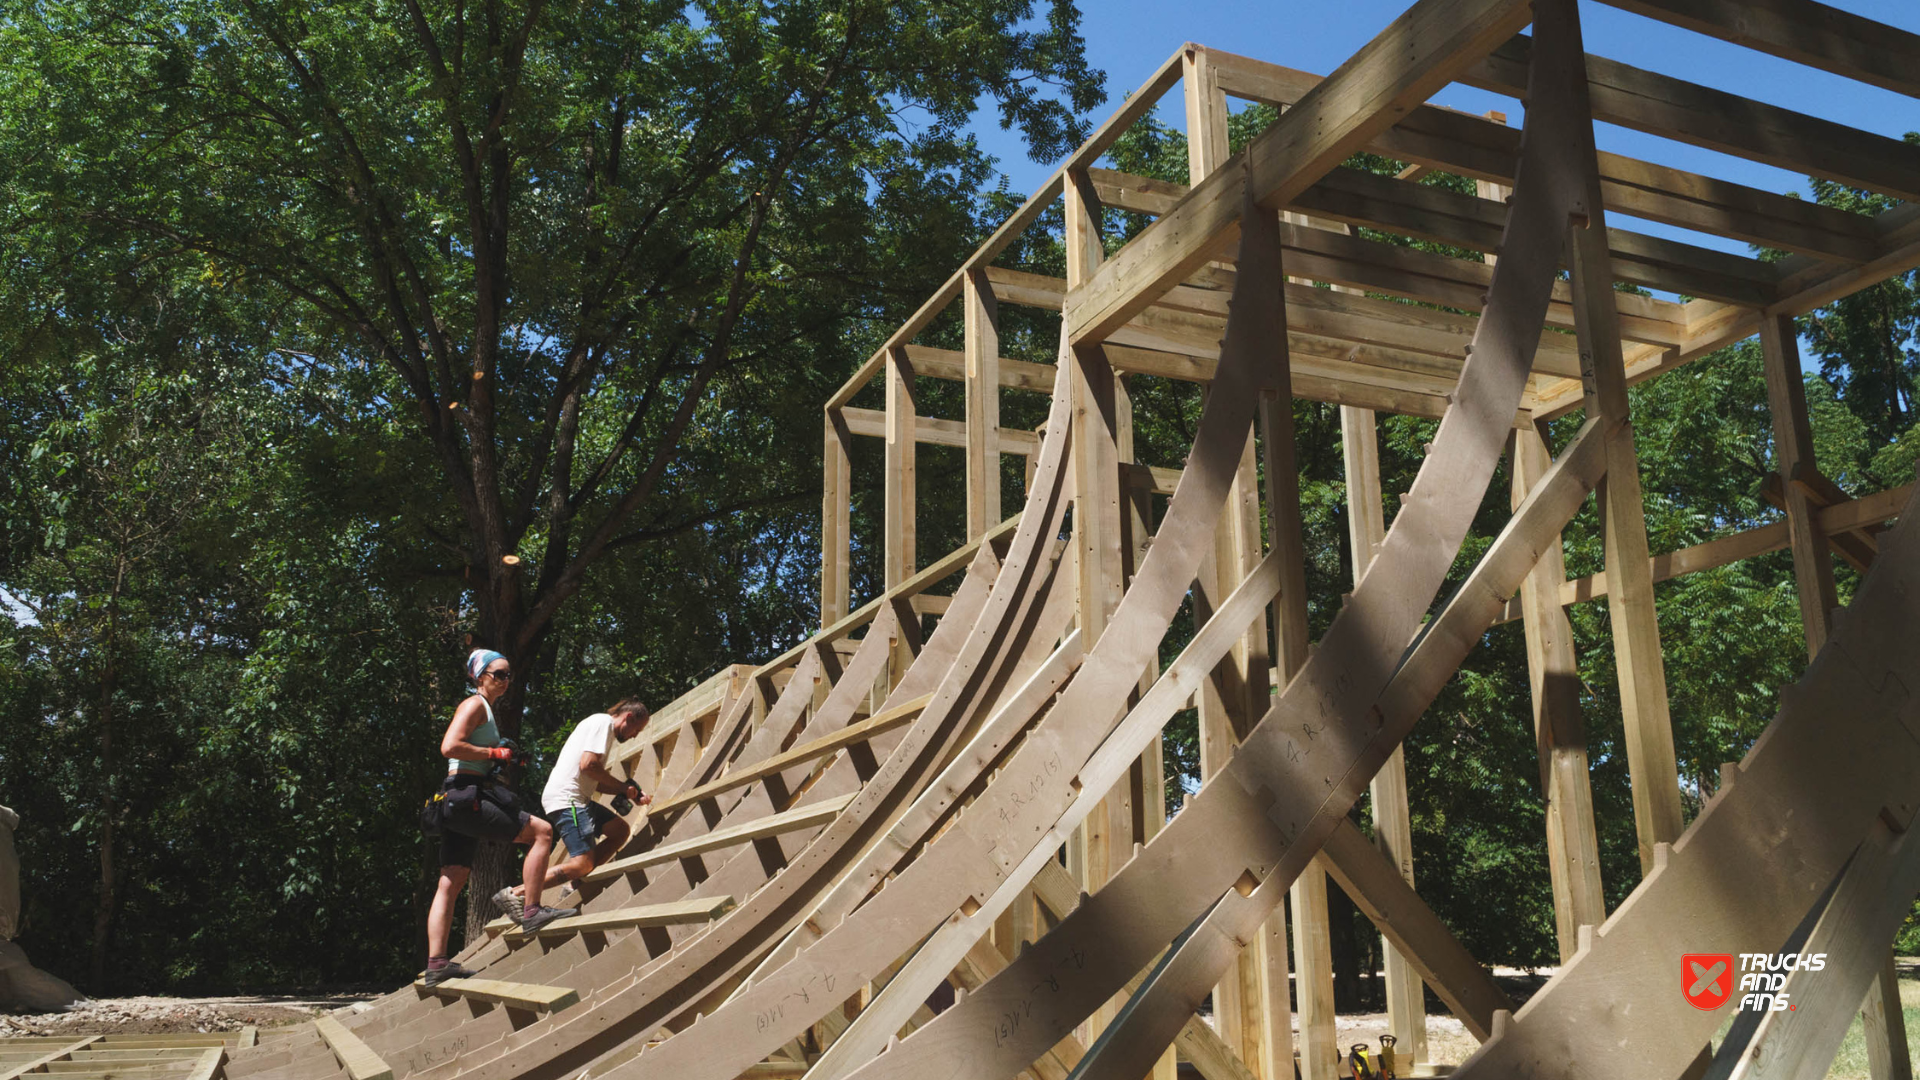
[(355, 1056), (1688, 112), (523, 996), (1807, 33), (799, 755), (804, 817), (937, 432), (675, 913), (39, 1064)]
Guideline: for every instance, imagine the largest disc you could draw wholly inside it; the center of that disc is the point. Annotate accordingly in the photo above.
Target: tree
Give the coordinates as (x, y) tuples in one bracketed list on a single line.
[(551, 227)]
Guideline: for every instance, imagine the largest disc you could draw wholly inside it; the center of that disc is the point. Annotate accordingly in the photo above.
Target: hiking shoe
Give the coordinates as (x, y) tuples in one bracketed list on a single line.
[(436, 976), (536, 917), (509, 903)]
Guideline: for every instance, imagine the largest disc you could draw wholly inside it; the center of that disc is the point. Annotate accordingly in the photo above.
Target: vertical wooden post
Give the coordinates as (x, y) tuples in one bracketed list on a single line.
[(1573, 849), (1392, 818), (1880, 1015), (983, 403), (901, 561), (836, 546), (1636, 627), (900, 486), (1252, 1006)]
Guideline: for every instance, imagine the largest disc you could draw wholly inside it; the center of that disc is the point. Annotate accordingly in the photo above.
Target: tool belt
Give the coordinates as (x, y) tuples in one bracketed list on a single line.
[(462, 793)]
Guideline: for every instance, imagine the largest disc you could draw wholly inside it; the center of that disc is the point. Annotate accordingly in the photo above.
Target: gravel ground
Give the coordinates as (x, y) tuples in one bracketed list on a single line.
[(171, 1016)]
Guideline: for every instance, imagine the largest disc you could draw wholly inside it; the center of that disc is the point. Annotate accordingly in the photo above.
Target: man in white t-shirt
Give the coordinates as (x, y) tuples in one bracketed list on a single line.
[(592, 832)]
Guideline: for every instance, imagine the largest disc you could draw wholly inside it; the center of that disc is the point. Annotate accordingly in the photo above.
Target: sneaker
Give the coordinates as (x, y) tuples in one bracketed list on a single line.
[(536, 917), (436, 976), (509, 903)]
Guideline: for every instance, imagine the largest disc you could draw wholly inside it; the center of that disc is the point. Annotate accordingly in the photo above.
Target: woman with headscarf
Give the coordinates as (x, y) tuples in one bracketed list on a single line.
[(479, 806)]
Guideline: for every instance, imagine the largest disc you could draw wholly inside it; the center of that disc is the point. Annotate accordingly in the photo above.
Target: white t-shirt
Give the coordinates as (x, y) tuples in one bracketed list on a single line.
[(566, 787)]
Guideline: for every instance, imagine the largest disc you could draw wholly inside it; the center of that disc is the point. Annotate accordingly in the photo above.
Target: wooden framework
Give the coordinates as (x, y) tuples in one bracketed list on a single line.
[(901, 850)]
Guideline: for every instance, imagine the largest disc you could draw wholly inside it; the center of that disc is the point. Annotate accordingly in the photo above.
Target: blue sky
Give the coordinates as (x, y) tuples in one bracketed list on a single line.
[(1128, 39)]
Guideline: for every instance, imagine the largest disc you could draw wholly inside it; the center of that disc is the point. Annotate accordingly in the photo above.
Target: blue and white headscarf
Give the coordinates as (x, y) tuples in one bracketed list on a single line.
[(477, 662)]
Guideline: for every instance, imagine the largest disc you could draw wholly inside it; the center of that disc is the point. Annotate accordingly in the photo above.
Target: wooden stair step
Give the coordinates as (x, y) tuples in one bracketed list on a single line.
[(355, 1056), (676, 913), (772, 825), (511, 994)]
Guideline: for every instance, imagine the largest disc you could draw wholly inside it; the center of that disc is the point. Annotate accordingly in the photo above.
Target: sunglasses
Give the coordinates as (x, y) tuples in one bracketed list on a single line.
[(503, 675)]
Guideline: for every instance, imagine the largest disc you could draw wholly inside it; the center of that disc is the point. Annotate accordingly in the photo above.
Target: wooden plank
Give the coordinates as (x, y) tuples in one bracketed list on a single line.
[(9, 1072), (1676, 109), (210, 1064), (938, 432), (1559, 725), (691, 912), (1411, 59), (900, 490), (951, 364), (804, 817), (982, 316), (1416, 932), (1802, 31), (1392, 816), (1257, 824), (1793, 454), (808, 751), (249, 1036), (1208, 1053), (836, 524), (545, 999), (1481, 149), (355, 1056), (1639, 664)]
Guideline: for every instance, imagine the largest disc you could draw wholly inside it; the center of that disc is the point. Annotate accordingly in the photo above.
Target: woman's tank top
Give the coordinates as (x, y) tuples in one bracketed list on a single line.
[(487, 734)]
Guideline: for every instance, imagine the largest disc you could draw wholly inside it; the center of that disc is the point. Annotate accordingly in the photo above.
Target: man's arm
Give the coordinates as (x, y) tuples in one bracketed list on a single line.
[(593, 767)]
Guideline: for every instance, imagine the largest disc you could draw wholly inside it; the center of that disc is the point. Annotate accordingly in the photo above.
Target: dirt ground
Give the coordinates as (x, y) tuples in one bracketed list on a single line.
[(173, 1016)]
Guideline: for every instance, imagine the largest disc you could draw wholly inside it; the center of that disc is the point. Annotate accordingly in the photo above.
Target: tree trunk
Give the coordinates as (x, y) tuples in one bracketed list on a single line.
[(103, 914), (494, 868)]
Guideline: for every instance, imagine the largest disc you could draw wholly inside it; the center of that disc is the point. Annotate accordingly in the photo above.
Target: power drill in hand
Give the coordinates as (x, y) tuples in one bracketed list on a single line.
[(623, 803)]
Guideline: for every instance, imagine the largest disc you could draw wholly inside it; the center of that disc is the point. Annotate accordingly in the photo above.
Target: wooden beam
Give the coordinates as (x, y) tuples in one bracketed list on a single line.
[(1793, 452), (952, 363), (1559, 725), (526, 996), (692, 912), (1392, 817), (1802, 31), (1688, 112), (803, 817), (805, 752), (983, 403), (356, 1057), (1408, 62), (1639, 664), (836, 519), (937, 432), (1375, 885), (898, 486), (1483, 149), (13, 1072)]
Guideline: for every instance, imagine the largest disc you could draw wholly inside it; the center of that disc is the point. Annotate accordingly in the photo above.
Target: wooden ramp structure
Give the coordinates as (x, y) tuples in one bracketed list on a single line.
[(932, 842)]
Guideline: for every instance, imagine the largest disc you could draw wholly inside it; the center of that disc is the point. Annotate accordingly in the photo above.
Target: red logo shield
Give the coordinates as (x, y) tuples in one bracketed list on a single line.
[(1706, 979)]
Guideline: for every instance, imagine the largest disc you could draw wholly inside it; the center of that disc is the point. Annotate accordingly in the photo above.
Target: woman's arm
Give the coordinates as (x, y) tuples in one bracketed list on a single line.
[(455, 745)]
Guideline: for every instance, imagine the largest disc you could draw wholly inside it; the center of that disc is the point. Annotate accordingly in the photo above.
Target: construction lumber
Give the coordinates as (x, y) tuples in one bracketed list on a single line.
[(356, 1057), (1688, 112), (209, 1063), (524, 996), (1415, 932), (1802, 31), (1249, 824), (933, 430), (38, 1064), (691, 912), (900, 491), (802, 817), (1420, 52), (808, 751), (1559, 725), (1639, 664)]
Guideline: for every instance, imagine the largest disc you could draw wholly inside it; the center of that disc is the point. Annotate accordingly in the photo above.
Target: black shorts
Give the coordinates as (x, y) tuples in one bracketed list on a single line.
[(494, 814)]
